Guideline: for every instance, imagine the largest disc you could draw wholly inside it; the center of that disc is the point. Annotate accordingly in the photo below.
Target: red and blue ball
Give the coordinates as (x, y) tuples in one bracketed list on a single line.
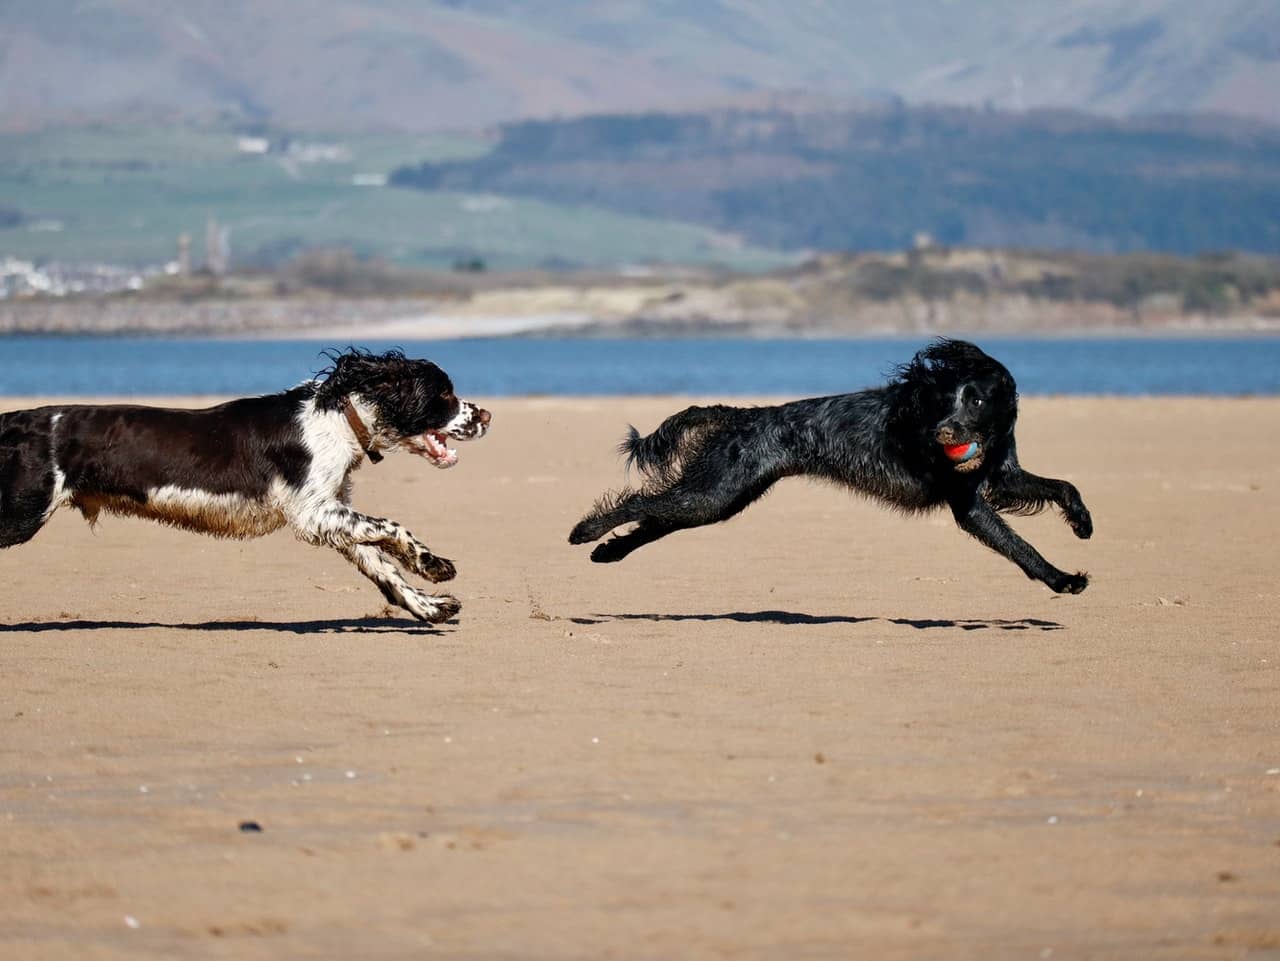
[(960, 452)]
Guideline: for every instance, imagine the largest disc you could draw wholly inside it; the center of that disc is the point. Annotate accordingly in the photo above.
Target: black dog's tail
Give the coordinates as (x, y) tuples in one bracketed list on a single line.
[(658, 456)]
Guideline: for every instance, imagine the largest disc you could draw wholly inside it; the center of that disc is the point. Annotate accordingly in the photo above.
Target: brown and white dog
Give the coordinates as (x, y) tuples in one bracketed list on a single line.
[(250, 466)]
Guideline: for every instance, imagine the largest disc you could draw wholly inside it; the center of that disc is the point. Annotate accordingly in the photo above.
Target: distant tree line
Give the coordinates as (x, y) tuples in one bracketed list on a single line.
[(876, 179), (1213, 283)]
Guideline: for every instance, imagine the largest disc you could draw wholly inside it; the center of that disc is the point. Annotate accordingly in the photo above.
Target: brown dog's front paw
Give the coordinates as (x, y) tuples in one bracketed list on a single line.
[(436, 609), (432, 608), (447, 606), (436, 569)]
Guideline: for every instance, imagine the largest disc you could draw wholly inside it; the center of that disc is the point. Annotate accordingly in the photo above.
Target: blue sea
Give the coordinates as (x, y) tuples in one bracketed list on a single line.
[(122, 366)]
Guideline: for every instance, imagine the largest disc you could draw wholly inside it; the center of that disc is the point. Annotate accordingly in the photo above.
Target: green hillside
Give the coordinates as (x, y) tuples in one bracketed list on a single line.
[(124, 196)]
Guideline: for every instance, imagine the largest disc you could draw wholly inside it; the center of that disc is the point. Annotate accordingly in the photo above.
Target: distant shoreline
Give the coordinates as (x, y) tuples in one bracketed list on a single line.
[(978, 291), (353, 320)]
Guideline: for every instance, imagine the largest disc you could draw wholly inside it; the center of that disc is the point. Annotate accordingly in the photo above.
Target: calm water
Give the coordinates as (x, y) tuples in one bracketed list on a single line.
[(45, 366)]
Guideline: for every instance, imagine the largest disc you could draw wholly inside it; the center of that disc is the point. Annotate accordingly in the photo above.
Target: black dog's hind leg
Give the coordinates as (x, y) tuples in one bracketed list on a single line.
[(616, 548), (693, 501), (613, 510), (976, 517), (632, 507)]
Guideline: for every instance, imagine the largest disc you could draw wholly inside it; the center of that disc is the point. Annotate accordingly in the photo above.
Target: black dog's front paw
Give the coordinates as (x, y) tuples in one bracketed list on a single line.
[(1071, 583), (1080, 520), (436, 569)]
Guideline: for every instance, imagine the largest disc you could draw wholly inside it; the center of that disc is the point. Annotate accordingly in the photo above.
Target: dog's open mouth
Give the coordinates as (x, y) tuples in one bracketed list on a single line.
[(434, 446)]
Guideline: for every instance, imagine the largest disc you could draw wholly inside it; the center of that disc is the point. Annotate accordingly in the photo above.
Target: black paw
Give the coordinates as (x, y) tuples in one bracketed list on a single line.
[(1080, 521), (610, 552), (584, 532), (1071, 583), (436, 569)]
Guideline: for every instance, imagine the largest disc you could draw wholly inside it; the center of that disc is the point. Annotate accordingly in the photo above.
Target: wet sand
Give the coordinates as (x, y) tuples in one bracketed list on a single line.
[(821, 730)]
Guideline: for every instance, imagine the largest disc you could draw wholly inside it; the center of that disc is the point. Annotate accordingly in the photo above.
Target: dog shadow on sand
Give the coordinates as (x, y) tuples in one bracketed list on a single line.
[(352, 625), (792, 618), (392, 625)]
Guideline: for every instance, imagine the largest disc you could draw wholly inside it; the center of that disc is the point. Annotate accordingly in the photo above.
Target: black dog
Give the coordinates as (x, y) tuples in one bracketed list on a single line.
[(250, 466), (941, 432)]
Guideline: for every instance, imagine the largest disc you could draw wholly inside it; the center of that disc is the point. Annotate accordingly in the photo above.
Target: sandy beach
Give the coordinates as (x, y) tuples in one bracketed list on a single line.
[(821, 730)]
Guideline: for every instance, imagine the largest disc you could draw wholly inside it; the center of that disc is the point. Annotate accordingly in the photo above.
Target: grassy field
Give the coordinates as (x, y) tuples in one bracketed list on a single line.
[(124, 196)]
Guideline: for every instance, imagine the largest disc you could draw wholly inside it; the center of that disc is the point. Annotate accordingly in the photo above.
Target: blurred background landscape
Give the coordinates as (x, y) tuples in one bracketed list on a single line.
[(722, 166)]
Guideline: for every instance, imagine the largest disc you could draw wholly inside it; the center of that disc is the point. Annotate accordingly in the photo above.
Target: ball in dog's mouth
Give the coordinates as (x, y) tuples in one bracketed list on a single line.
[(434, 446), (961, 452)]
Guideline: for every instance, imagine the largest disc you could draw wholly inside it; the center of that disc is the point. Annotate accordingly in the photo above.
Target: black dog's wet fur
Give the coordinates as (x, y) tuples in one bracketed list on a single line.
[(706, 464)]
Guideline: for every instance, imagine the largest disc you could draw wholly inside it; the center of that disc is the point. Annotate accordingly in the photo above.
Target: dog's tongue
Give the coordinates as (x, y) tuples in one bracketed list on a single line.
[(437, 451)]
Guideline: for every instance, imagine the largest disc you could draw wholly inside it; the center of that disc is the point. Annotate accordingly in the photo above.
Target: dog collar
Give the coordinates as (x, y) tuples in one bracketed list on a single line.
[(362, 433)]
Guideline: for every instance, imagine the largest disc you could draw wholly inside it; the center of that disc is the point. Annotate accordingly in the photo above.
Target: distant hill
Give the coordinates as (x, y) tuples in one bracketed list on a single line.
[(426, 66), (878, 178)]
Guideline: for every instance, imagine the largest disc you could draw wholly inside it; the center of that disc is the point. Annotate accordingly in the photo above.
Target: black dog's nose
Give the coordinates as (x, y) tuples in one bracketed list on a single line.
[(485, 417)]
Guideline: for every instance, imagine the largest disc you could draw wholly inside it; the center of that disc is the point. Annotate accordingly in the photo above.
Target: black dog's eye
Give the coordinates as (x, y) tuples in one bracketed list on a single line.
[(977, 402)]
